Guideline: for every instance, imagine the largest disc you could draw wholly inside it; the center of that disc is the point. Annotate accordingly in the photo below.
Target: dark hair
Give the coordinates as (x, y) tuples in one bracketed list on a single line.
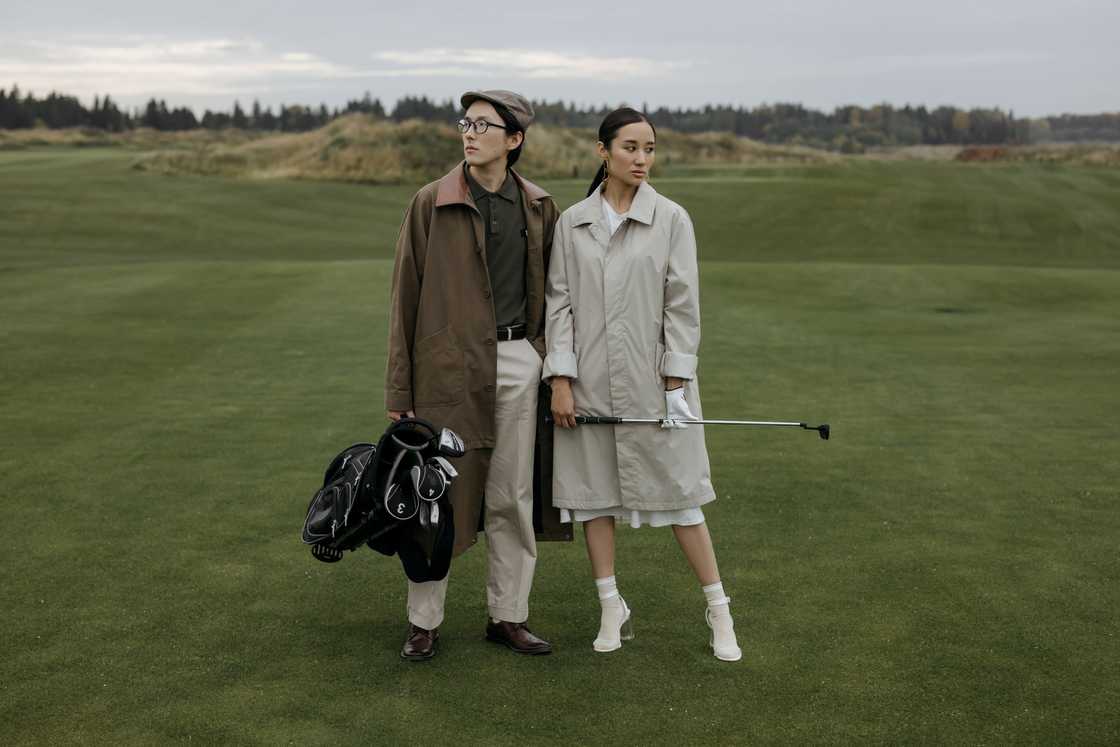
[(608, 130), (512, 128)]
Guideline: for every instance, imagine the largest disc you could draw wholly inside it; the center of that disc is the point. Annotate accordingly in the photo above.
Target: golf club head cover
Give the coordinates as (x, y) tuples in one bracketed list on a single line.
[(401, 504), (428, 482)]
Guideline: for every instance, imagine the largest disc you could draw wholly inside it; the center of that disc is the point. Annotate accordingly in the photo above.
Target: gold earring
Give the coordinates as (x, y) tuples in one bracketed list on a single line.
[(606, 171)]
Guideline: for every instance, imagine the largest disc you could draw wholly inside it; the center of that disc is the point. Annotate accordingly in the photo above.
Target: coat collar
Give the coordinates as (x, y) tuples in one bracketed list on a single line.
[(590, 210), (453, 189)]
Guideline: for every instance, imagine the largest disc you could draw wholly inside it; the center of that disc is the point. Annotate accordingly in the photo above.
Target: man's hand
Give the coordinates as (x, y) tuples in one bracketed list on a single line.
[(396, 415), (563, 404)]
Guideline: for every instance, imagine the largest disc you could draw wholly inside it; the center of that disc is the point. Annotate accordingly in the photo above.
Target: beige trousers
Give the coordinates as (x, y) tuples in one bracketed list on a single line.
[(508, 513)]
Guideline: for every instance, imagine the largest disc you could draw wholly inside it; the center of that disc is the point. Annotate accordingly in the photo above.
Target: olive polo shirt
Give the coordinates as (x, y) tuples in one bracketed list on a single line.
[(503, 220)]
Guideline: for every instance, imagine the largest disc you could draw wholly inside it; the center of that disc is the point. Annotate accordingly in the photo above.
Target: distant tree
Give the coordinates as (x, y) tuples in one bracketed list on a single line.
[(411, 107), (267, 120), (239, 120), (848, 128), (151, 116), (216, 120)]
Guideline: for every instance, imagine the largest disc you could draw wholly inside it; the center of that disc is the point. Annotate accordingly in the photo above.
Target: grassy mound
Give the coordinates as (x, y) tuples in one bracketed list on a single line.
[(357, 148)]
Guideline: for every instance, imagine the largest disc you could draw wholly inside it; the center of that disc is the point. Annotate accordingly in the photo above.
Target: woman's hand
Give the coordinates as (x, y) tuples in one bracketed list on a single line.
[(676, 409), (396, 415), (563, 404)]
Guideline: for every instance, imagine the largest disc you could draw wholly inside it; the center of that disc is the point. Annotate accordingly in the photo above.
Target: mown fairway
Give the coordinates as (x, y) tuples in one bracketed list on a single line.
[(181, 357)]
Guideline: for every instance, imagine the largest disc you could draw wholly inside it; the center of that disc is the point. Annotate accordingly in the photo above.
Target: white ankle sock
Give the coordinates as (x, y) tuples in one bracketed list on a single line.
[(724, 645), (717, 600), (608, 590), (613, 627)]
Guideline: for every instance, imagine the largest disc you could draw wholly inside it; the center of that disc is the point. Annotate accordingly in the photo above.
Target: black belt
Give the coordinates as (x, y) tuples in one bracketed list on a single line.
[(512, 332)]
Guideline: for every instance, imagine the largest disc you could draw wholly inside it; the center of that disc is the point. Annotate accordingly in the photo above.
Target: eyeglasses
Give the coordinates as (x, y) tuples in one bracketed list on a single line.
[(480, 125)]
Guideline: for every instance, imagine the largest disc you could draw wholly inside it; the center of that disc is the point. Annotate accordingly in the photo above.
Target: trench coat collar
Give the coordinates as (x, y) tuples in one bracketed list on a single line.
[(453, 188), (590, 210)]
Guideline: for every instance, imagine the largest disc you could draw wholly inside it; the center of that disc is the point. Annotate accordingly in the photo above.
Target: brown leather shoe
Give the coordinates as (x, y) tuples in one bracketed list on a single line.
[(420, 644), (517, 637)]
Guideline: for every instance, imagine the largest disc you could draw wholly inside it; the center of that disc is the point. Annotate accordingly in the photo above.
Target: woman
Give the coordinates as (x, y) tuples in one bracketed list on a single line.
[(623, 328)]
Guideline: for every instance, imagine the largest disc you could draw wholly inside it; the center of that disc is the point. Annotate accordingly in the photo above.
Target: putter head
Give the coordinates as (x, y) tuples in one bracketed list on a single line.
[(824, 430)]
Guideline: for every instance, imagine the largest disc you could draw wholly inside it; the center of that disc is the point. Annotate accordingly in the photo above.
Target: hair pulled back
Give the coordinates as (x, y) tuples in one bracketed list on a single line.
[(608, 130)]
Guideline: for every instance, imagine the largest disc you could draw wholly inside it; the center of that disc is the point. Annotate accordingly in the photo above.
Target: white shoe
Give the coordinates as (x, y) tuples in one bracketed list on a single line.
[(722, 640), (614, 627)]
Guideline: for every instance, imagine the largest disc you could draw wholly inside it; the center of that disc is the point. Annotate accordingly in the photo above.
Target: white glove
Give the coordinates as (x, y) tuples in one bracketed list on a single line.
[(676, 409)]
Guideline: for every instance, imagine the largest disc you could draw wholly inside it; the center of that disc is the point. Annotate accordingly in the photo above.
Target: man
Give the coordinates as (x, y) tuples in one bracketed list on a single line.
[(466, 343)]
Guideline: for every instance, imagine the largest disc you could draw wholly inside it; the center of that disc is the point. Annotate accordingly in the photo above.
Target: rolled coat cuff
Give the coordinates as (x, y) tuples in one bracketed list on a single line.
[(678, 365), (559, 363), (398, 400)]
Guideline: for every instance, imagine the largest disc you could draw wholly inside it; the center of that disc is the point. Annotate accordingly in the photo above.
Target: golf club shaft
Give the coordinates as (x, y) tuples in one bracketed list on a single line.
[(603, 420), (823, 429)]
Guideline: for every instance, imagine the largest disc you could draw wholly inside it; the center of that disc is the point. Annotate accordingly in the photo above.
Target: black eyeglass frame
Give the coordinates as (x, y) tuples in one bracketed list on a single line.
[(480, 125)]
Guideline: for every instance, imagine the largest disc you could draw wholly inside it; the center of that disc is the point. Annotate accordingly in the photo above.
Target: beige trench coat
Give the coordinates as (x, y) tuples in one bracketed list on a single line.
[(622, 312)]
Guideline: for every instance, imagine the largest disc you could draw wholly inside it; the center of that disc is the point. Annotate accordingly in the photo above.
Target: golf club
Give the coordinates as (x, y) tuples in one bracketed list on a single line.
[(823, 429)]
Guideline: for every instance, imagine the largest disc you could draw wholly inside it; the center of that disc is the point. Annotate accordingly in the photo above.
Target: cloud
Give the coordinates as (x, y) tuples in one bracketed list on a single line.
[(523, 63), (133, 67)]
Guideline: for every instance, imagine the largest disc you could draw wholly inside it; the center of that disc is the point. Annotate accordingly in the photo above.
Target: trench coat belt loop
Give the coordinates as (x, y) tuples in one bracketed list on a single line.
[(512, 332)]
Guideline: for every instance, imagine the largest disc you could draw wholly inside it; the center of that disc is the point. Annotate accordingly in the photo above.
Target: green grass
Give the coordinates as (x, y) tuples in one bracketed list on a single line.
[(182, 355)]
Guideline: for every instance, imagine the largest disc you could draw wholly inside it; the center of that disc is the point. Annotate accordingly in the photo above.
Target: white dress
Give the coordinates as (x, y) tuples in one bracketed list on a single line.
[(634, 517)]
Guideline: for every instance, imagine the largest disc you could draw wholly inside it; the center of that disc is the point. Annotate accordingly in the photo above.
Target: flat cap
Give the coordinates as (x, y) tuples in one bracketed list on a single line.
[(517, 104)]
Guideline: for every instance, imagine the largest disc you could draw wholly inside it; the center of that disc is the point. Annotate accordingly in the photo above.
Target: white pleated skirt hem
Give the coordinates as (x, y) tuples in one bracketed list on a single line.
[(636, 518)]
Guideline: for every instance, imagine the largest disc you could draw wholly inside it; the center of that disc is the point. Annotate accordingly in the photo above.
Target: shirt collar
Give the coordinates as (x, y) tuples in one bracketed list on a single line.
[(508, 190), (590, 210)]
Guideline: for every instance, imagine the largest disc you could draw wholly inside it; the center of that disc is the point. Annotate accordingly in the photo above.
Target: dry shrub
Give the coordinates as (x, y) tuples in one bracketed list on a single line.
[(1077, 154)]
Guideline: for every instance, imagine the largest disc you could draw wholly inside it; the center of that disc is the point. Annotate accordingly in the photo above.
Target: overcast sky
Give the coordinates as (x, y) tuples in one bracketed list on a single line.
[(1033, 58)]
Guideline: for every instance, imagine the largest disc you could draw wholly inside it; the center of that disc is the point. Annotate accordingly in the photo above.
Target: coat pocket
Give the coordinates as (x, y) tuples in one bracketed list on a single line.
[(438, 370)]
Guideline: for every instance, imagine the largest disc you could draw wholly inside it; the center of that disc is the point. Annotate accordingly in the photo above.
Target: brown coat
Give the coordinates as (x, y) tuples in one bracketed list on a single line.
[(442, 356)]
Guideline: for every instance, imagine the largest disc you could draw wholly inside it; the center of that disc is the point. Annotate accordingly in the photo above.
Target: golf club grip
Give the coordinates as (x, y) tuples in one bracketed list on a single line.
[(597, 420), (589, 420)]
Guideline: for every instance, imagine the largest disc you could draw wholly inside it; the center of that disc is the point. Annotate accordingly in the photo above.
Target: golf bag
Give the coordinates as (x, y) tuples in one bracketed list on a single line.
[(393, 497)]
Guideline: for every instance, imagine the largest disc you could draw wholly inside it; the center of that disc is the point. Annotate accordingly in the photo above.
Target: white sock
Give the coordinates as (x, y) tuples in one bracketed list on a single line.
[(608, 591), (724, 645), (717, 600)]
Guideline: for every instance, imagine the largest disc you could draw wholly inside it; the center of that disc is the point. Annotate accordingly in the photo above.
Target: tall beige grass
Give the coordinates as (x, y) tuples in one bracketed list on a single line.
[(361, 149), (358, 148)]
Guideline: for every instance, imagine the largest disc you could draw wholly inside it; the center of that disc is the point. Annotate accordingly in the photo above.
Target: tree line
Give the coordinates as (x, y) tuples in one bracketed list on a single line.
[(849, 129)]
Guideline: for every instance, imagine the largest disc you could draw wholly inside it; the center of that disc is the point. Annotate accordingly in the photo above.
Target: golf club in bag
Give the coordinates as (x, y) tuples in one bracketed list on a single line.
[(824, 430), (393, 497)]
